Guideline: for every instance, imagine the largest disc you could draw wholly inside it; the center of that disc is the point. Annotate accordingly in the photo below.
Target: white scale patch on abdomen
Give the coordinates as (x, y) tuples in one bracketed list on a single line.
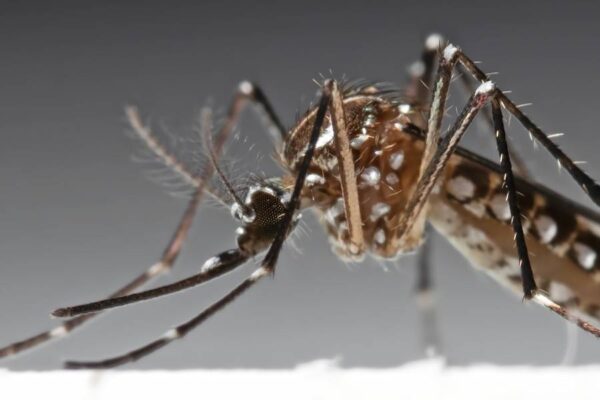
[(474, 244)]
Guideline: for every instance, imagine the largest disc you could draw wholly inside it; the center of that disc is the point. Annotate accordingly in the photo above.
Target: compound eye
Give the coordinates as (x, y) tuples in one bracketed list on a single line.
[(268, 209), (256, 236)]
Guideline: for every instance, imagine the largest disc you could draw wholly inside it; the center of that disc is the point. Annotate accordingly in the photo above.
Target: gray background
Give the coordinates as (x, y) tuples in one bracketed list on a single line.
[(78, 218)]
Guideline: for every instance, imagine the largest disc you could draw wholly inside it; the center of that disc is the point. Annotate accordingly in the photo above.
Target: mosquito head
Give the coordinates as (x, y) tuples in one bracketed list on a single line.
[(265, 205)]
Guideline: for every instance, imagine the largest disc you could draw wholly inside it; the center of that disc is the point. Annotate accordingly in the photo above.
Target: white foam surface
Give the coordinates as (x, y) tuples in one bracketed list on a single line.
[(428, 379)]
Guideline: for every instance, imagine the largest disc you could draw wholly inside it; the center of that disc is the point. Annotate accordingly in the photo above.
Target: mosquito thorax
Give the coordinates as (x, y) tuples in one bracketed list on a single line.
[(267, 202), (386, 160)]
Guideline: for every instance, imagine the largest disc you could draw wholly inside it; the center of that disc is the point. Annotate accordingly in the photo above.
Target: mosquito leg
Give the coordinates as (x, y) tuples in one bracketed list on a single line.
[(543, 300), (347, 174), (172, 334), (426, 301), (529, 286), (213, 268), (270, 119), (418, 90), (446, 147), (270, 260), (246, 92), (517, 159), (412, 222), (438, 152), (267, 266), (591, 188)]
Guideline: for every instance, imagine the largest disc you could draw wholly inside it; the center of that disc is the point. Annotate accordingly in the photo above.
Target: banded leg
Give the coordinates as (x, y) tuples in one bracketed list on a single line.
[(172, 334), (267, 266), (426, 300), (246, 92)]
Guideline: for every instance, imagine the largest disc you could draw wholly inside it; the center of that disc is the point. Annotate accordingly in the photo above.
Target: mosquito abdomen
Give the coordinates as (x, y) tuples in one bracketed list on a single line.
[(470, 210)]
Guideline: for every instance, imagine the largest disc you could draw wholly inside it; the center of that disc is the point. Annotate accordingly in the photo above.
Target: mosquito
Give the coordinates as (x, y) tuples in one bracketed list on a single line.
[(376, 167)]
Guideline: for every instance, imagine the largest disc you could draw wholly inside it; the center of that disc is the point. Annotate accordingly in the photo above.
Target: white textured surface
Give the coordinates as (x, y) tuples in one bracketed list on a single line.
[(316, 380)]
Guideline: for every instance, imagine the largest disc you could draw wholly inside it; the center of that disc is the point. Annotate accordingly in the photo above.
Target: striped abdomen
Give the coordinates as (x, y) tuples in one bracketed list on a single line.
[(470, 209)]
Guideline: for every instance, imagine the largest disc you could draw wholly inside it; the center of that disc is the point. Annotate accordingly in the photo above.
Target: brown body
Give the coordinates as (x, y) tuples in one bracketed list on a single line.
[(468, 205)]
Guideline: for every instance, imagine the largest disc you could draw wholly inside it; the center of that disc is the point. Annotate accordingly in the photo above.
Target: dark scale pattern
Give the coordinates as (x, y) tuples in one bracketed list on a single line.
[(478, 176), (591, 243), (554, 222), (559, 225), (526, 201), (534, 207), (565, 221)]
